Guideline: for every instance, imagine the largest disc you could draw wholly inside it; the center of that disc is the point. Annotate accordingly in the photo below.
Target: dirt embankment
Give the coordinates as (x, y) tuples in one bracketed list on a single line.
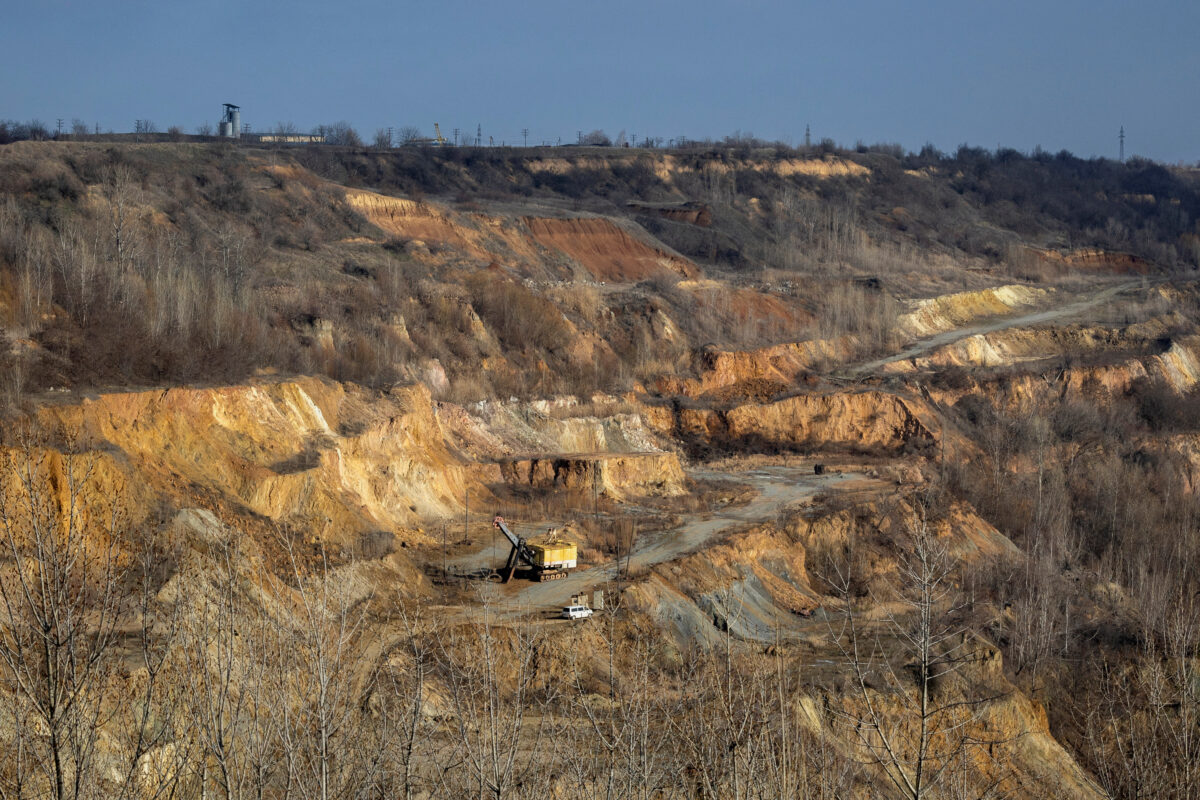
[(768, 585), (613, 475), (725, 375), (1017, 345), (1096, 261), (868, 421), (603, 247), (768, 579), (1177, 367), (435, 233), (947, 312), (501, 430), (607, 251), (758, 374), (309, 452), (668, 168), (691, 213)]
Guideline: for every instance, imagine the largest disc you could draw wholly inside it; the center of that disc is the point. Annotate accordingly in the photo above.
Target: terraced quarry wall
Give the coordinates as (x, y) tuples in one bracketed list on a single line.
[(333, 369)]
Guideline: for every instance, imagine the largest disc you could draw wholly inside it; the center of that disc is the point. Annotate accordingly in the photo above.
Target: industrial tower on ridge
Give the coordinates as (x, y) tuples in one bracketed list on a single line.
[(231, 122)]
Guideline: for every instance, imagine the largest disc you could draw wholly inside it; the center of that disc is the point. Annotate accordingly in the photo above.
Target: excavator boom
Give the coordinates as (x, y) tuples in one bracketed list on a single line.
[(503, 526)]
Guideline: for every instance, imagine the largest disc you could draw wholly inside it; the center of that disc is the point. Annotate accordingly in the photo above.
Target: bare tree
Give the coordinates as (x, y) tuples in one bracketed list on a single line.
[(624, 754), (61, 606), (1143, 730), (401, 735), (597, 138), (213, 672), (147, 733), (409, 134), (327, 644), (907, 714), (340, 133), (121, 190), (490, 673)]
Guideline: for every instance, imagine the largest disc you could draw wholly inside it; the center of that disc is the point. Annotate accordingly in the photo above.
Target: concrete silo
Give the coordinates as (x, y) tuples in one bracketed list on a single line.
[(231, 122)]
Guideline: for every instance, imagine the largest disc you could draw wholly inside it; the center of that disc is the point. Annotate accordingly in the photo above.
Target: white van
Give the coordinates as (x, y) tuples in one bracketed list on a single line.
[(576, 612)]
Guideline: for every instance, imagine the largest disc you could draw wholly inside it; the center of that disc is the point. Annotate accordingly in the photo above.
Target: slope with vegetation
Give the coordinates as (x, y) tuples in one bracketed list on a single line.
[(260, 406)]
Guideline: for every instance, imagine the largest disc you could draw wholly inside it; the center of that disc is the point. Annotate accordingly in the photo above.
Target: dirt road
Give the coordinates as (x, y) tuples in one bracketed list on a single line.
[(778, 487), (1067, 311)]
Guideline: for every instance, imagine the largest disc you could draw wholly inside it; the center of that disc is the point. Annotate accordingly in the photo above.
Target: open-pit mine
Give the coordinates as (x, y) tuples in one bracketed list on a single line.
[(875, 476)]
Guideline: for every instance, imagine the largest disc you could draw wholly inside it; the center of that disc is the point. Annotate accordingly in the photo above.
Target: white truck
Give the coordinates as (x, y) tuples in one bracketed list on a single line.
[(576, 612)]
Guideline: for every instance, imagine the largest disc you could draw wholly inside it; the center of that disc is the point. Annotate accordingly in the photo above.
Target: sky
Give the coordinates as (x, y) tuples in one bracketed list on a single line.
[(1058, 74)]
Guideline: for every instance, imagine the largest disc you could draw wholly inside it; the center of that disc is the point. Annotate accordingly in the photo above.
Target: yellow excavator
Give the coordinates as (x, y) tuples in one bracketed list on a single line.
[(441, 140), (548, 558)]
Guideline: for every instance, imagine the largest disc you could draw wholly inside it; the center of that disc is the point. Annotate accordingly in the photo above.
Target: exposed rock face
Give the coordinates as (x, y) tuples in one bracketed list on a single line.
[(851, 421), (652, 474), (307, 450)]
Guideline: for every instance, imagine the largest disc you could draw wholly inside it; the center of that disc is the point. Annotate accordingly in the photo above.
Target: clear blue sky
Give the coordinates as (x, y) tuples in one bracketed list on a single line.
[(1063, 74)]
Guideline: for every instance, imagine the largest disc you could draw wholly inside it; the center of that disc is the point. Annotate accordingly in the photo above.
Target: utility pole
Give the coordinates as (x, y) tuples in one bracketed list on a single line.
[(478, 134), (137, 129), (525, 134), (58, 134), (456, 137), (1122, 138), (578, 137), (807, 137), (389, 135)]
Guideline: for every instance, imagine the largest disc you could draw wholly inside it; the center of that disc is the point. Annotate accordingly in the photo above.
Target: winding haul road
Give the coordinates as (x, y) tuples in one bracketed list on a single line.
[(1075, 308), (778, 487)]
